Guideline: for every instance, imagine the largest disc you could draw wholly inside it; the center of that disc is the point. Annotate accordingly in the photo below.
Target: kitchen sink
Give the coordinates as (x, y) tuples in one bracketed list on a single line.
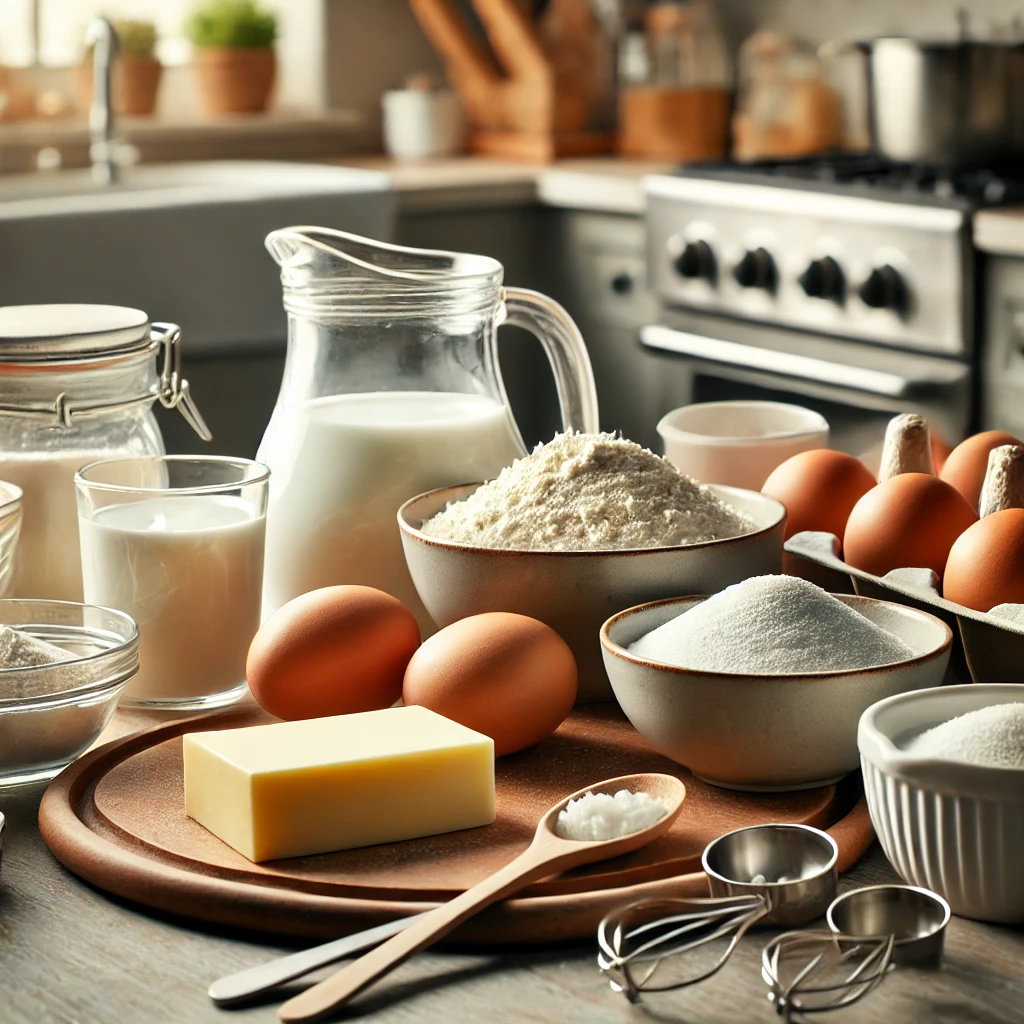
[(182, 241)]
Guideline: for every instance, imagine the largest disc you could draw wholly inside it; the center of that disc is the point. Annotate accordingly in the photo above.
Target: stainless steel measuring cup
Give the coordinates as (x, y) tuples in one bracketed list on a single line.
[(872, 930), (777, 874)]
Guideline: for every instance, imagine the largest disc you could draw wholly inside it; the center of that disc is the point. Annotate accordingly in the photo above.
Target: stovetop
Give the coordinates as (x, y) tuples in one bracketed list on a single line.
[(878, 178), (843, 245)]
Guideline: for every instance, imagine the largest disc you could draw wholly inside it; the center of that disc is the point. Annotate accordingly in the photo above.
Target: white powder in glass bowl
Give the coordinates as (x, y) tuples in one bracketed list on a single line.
[(589, 492), (596, 817)]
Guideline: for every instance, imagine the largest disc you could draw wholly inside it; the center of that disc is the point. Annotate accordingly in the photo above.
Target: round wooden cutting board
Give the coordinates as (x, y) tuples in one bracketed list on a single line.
[(116, 817)]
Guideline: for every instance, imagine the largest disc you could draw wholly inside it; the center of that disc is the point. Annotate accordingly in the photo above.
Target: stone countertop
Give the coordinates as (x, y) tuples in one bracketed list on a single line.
[(1000, 232), (597, 183)]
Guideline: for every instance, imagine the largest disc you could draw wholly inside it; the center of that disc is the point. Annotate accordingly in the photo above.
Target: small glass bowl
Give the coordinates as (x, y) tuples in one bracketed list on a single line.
[(10, 528), (50, 714)]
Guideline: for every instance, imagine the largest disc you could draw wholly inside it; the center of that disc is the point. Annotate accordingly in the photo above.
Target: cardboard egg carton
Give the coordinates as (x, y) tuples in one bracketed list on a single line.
[(988, 647)]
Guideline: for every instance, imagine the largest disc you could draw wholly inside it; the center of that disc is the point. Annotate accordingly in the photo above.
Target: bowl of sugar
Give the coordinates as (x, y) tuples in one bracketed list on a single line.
[(586, 525), (761, 686), (944, 779)]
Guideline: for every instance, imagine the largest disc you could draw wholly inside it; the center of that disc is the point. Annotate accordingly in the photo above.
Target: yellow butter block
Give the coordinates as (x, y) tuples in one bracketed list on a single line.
[(298, 788)]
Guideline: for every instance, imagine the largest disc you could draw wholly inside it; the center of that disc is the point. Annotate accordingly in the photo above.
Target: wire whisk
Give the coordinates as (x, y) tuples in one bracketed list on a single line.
[(816, 971), (636, 941)]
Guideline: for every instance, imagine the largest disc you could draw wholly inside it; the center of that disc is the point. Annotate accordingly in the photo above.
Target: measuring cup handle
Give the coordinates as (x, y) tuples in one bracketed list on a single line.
[(566, 351)]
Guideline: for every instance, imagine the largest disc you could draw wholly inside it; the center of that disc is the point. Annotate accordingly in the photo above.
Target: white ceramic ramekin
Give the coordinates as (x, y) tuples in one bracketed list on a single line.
[(739, 443), (954, 828)]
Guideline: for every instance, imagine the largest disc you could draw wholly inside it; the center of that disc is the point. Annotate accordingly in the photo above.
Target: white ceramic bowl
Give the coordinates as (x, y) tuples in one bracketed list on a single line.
[(764, 732), (574, 592), (957, 829), (739, 443)]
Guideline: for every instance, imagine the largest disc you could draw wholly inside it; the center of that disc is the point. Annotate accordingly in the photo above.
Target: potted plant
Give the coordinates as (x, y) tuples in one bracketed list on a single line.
[(234, 55), (135, 76)]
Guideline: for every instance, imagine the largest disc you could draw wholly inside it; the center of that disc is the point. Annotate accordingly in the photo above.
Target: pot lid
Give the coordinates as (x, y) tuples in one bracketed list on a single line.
[(67, 331)]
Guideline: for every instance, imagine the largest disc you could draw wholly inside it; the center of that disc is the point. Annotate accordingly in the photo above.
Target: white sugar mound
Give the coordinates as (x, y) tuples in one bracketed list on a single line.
[(771, 625), (992, 737), (595, 817), (588, 492)]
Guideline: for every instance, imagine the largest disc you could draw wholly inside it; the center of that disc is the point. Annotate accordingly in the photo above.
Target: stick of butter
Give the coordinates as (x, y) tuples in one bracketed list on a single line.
[(298, 788)]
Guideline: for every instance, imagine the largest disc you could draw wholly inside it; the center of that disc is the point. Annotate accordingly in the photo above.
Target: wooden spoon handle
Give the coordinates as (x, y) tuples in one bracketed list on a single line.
[(535, 862)]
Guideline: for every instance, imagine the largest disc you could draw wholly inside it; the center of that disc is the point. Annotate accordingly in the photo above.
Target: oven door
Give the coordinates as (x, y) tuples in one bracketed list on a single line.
[(857, 387)]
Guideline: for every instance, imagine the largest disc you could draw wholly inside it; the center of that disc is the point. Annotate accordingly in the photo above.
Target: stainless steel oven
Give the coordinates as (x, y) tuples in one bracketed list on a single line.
[(706, 359), (846, 285)]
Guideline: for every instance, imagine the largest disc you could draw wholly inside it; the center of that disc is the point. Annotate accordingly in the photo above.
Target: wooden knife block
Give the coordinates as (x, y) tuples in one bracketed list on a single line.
[(528, 101)]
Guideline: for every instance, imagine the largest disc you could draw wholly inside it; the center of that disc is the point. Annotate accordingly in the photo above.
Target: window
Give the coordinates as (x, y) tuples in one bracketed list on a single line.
[(62, 24)]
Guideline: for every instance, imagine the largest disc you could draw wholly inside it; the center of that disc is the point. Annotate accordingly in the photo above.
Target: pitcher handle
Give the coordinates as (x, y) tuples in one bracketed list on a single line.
[(566, 351)]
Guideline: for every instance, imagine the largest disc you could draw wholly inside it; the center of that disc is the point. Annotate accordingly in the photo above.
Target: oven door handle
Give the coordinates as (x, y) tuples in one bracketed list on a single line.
[(782, 364)]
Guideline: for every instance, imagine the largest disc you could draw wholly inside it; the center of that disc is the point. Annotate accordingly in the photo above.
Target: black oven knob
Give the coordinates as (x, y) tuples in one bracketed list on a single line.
[(756, 270), (885, 289), (697, 262), (824, 279)]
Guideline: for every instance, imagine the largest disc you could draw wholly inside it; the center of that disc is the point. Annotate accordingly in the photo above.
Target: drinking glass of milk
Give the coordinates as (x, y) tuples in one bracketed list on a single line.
[(176, 541)]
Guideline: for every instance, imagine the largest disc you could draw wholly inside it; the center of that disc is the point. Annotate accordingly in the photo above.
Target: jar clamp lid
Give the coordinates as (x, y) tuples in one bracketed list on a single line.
[(77, 335)]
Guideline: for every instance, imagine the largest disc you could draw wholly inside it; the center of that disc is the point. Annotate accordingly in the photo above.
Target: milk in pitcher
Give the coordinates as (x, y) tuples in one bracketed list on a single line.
[(344, 465)]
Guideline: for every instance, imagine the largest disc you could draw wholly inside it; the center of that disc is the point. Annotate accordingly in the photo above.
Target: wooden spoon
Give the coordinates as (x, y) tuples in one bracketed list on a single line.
[(548, 854)]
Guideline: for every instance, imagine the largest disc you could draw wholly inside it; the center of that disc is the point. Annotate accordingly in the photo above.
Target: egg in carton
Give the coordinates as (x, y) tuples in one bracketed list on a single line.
[(990, 645)]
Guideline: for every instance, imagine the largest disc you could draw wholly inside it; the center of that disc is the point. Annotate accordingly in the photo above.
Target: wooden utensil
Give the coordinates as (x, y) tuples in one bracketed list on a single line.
[(531, 94), (546, 855)]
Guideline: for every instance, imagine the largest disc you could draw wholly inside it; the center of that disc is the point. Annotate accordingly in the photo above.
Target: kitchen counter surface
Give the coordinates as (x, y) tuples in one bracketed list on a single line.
[(597, 183), (1000, 232), (69, 953)]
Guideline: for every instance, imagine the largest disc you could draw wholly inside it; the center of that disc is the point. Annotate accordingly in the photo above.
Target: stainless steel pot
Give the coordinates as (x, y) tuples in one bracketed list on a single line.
[(948, 104)]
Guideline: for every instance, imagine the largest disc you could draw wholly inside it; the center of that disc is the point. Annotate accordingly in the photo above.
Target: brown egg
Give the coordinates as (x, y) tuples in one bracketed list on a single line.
[(332, 652), (505, 675), (819, 488), (986, 564), (909, 520), (966, 464)]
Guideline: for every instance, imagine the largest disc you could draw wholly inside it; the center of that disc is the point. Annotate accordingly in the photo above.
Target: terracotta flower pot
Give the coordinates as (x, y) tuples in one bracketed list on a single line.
[(135, 83), (235, 81)]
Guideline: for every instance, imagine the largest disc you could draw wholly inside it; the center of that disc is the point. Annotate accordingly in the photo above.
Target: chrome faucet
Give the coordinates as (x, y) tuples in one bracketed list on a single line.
[(102, 37)]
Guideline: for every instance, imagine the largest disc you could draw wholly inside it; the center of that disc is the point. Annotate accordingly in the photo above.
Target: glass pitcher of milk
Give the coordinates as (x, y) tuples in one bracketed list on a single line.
[(391, 388)]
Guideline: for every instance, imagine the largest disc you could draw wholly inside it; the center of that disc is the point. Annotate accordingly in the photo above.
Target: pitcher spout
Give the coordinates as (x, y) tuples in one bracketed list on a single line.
[(313, 252)]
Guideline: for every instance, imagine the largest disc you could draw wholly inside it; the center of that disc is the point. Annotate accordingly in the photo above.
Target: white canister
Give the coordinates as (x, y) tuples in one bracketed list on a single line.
[(422, 123)]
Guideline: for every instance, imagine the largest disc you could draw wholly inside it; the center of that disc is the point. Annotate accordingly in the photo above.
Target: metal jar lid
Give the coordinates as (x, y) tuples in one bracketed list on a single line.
[(70, 331), (78, 333)]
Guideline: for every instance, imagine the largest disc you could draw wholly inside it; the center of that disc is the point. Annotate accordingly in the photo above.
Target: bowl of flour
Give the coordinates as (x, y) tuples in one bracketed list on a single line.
[(585, 526), (944, 779), (761, 686)]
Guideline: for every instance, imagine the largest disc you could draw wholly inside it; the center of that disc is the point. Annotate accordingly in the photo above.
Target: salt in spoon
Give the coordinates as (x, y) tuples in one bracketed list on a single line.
[(548, 854)]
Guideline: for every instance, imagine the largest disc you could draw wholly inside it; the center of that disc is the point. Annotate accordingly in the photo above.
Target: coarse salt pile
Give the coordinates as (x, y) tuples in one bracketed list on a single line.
[(992, 737), (596, 817), (588, 492), (770, 625)]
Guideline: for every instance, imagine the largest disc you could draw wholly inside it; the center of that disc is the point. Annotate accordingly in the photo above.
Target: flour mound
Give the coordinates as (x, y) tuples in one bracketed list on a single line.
[(771, 625), (588, 492), (992, 737)]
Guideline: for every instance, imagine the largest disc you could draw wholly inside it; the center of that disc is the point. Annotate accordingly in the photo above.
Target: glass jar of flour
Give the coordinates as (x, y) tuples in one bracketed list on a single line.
[(77, 384)]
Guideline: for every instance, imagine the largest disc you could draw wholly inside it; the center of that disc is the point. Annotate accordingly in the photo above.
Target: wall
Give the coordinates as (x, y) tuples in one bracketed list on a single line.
[(372, 46), (819, 20)]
